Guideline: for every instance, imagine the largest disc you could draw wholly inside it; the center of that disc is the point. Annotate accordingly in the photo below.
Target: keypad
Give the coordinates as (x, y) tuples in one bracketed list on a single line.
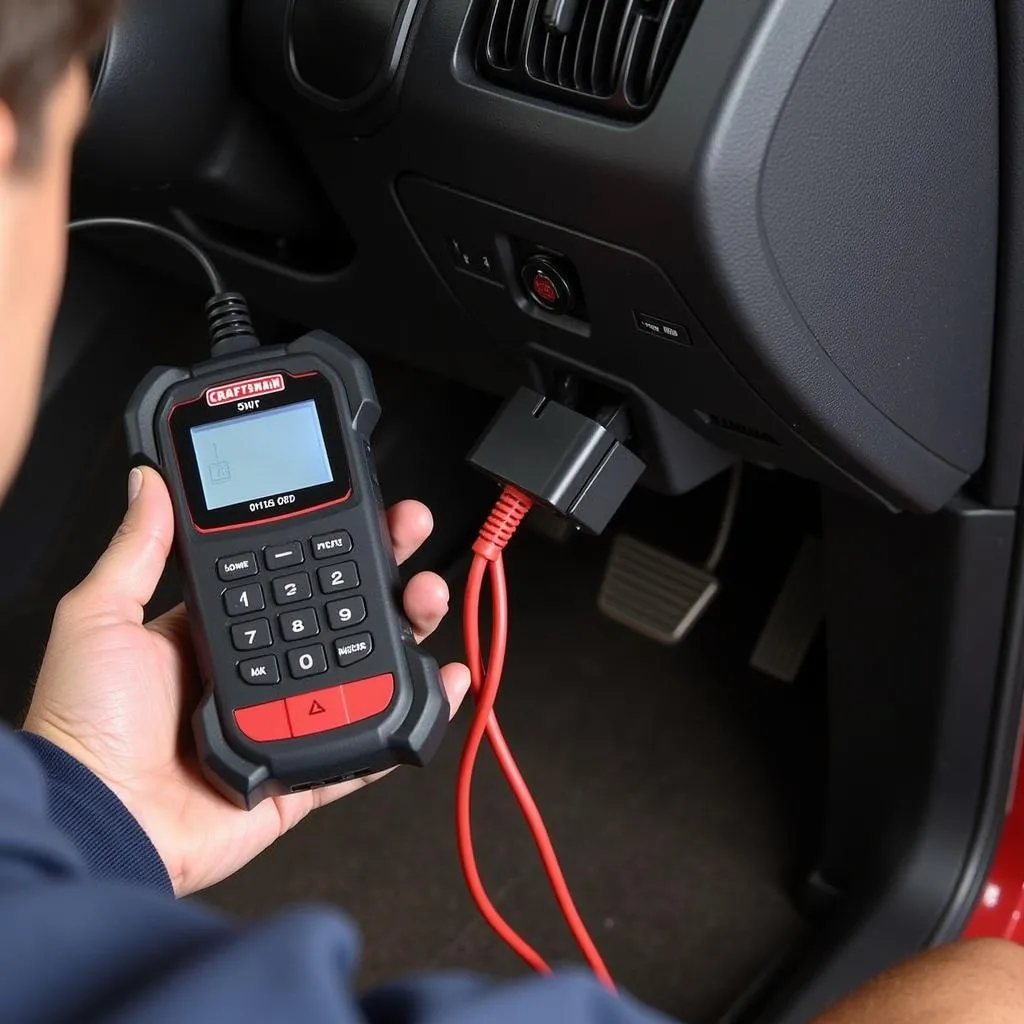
[(309, 621), (289, 589)]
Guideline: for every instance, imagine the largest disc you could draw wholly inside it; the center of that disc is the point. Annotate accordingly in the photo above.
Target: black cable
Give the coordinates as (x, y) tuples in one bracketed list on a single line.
[(216, 281)]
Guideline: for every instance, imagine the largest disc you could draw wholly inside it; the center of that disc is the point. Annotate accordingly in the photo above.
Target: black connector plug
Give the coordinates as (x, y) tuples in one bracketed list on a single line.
[(568, 462)]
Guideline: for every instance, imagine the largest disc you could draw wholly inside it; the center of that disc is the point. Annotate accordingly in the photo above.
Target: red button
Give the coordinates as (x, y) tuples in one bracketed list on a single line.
[(368, 697), (316, 712), (264, 722), (545, 289)]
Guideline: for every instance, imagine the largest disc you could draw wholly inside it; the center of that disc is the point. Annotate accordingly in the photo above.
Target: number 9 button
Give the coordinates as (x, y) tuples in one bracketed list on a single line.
[(347, 613)]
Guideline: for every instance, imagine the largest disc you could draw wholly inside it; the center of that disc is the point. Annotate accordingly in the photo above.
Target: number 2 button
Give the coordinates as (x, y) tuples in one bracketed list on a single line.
[(339, 577), (292, 588), (243, 600)]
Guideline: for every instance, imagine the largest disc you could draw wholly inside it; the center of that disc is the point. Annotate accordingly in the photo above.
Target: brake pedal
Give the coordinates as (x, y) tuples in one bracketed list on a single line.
[(654, 593)]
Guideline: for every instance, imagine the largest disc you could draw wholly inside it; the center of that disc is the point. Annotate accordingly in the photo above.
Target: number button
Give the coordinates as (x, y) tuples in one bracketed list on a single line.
[(237, 567), (307, 661), (284, 556), (251, 636), (243, 600), (343, 614), (338, 577), (292, 588), (300, 625), (260, 671)]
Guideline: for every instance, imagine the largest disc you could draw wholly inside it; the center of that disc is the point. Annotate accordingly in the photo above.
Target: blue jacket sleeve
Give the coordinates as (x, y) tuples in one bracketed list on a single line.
[(91, 932)]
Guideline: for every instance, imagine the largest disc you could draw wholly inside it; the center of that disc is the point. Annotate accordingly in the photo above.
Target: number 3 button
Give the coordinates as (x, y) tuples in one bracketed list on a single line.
[(339, 577)]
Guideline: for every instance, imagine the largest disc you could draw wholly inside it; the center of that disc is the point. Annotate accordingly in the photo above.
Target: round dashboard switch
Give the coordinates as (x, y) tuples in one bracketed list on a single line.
[(547, 285)]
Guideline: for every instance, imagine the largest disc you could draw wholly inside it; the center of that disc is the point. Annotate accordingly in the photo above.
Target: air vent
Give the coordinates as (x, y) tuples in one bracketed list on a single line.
[(607, 55)]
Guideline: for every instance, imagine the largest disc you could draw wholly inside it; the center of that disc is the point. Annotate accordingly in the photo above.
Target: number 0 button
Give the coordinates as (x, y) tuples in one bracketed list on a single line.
[(243, 600), (307, 661), (339, 577)]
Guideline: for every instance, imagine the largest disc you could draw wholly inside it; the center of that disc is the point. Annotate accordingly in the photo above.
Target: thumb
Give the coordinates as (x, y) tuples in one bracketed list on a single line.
[(128, 572)]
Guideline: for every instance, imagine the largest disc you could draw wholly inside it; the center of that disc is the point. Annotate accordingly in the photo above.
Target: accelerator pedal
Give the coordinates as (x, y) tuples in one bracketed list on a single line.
[(795, 618)]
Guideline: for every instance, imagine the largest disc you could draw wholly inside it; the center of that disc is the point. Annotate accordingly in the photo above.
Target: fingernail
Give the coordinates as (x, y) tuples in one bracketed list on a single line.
[(135, 480)]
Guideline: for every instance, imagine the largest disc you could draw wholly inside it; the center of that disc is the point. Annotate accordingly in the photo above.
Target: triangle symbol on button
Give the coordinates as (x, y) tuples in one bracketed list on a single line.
[(317, 708)]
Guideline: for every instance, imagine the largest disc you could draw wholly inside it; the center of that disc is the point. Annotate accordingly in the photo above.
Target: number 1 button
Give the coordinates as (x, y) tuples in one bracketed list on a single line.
[(243, 600), (339, 577)]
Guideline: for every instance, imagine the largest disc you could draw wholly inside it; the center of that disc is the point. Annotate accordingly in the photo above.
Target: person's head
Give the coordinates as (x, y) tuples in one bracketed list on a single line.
[(44, 46)]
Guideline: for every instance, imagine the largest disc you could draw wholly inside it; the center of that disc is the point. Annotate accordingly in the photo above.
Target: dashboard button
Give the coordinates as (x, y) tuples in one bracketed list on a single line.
[(547, 285)]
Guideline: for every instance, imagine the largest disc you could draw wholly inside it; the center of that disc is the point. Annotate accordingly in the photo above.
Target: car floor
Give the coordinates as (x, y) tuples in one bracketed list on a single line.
[(657, 774), (677, 783)]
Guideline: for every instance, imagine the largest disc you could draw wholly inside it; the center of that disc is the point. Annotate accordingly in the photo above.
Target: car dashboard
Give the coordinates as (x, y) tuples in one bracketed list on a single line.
[(769, 227)]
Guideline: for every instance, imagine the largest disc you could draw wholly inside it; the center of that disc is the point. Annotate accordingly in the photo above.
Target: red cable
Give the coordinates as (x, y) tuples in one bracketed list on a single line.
[(501, 526), (485, 694)]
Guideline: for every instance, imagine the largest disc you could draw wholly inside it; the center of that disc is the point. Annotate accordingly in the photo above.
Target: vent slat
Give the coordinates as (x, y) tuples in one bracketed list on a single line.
[(588, 34), (627, 24), (517, 18), (615, 55), (600, 72), (496, 35), (565, 63), (679, 15)]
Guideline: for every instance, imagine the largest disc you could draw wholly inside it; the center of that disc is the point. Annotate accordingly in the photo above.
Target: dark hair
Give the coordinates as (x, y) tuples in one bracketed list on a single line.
[(39, 40)]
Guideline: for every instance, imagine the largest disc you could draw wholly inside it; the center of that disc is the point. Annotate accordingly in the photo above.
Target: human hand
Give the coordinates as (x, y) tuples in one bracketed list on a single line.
[(113, 693)]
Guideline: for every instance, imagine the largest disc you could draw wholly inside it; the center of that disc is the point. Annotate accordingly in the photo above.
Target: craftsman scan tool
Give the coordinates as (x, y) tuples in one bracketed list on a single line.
[(311, 671)]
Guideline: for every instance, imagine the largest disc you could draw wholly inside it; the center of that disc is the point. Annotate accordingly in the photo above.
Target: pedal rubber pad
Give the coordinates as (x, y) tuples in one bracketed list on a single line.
[(795, 618), (654, 593)]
